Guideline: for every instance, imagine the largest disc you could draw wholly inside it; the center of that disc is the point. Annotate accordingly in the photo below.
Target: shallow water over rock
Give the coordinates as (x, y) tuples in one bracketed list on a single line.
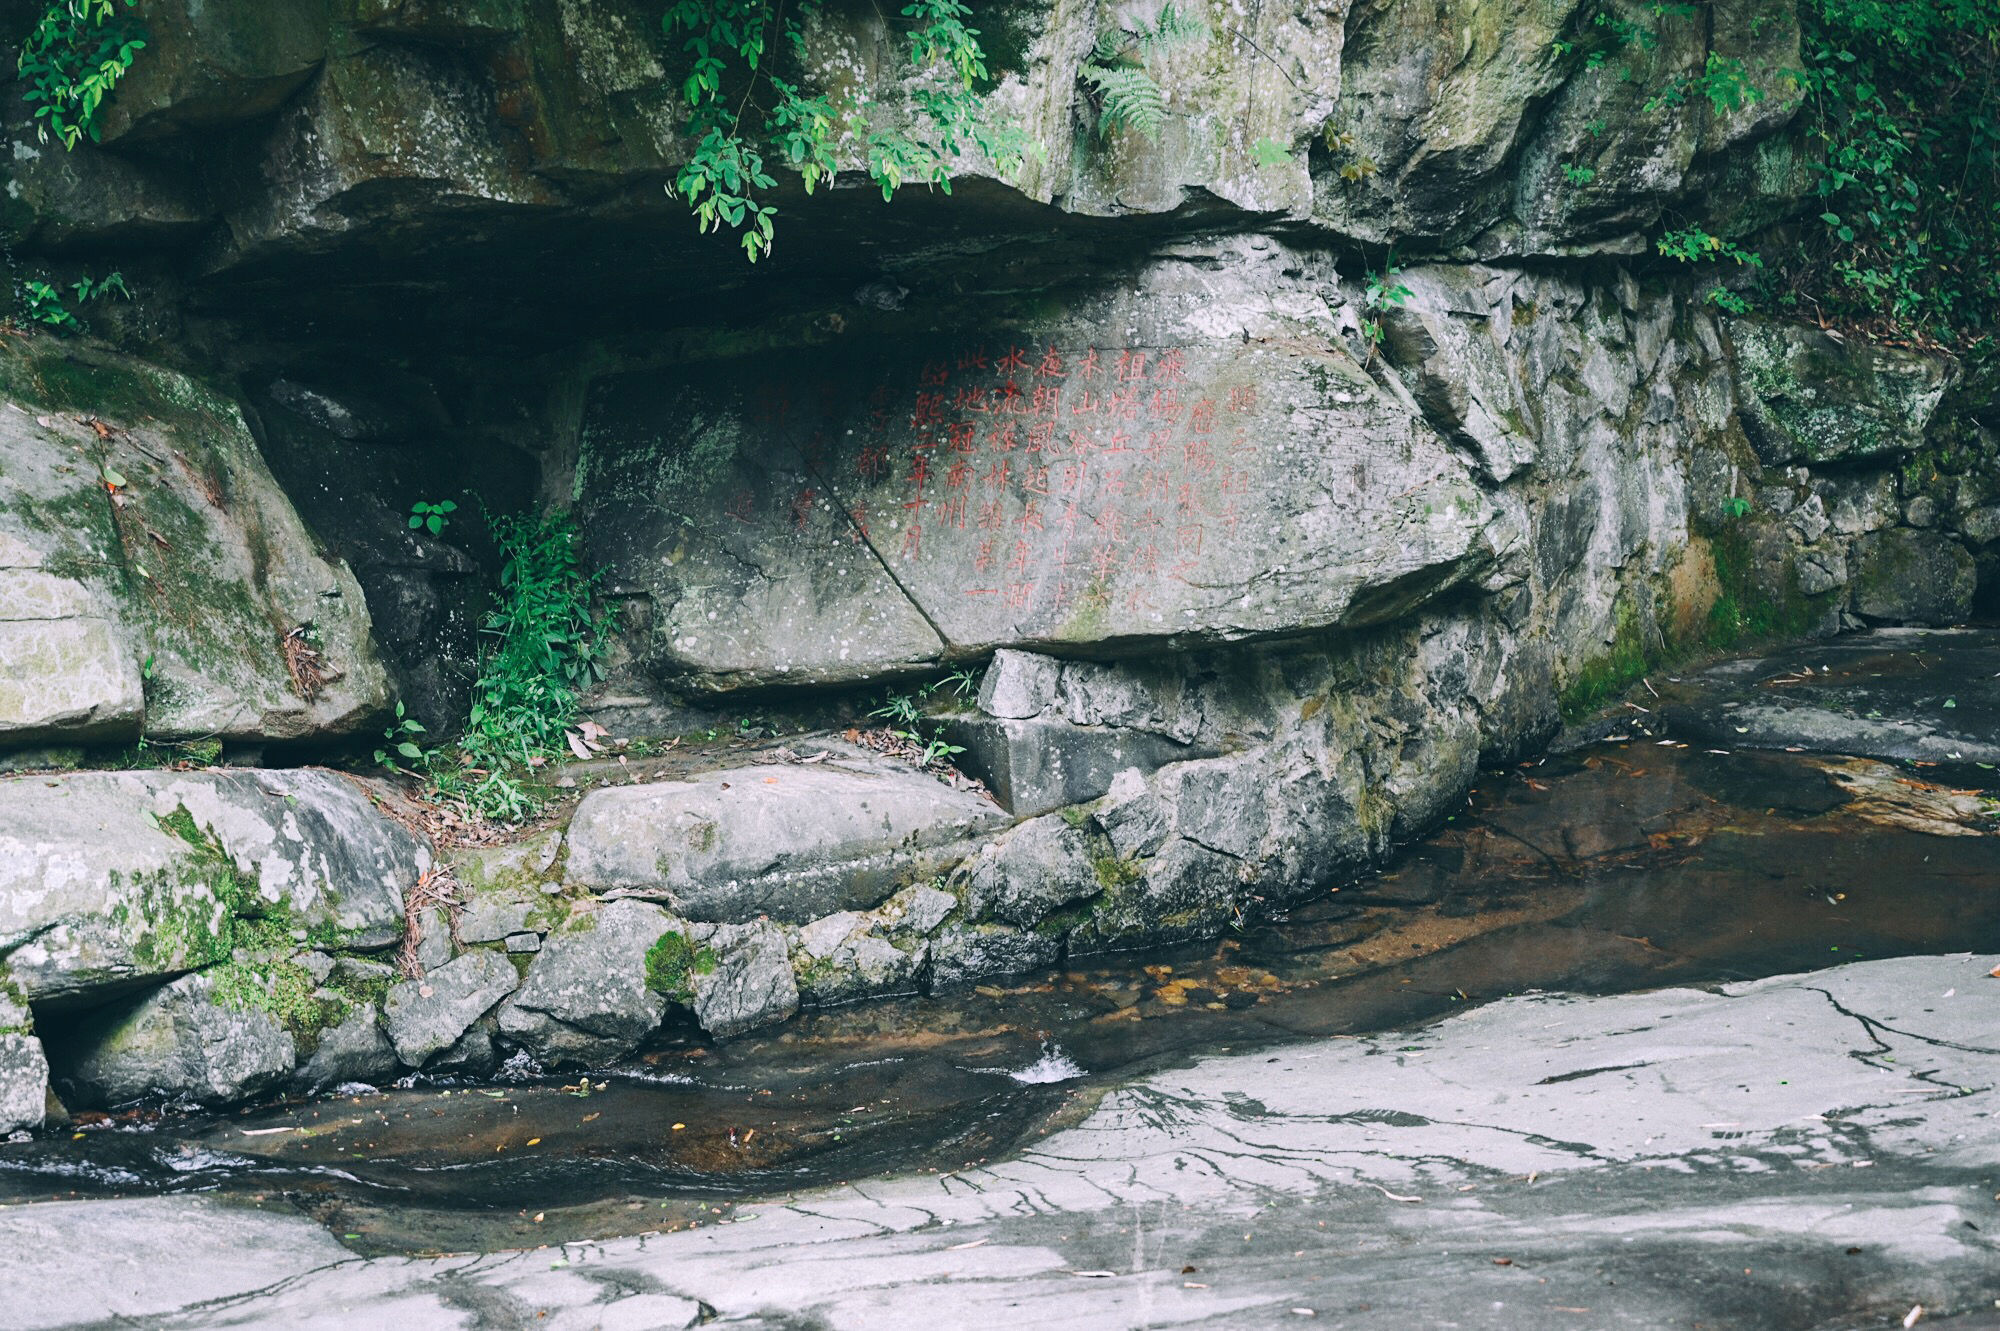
[(1625, 866)]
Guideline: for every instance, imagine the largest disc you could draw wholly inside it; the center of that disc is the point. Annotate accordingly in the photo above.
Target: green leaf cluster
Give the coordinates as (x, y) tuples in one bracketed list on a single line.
[(43, 302), (1127, 95), (744, 113), (547, 645), (70, 62), (1904, 105)]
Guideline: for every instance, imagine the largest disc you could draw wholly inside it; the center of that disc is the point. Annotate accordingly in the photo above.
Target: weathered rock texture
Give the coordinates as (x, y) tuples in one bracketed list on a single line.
[(1259, 541), (151, 571)]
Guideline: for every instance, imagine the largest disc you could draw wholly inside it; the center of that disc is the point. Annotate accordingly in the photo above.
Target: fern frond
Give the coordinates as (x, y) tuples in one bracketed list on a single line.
[(1110, 46), (1172, 29), (1129, 99)]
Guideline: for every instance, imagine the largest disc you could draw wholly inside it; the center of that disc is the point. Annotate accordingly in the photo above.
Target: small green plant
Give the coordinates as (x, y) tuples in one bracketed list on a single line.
[(898, 709), (1724, 80), (1127, 95), (112, 284), (1380, 292), (1270, 152), (1578, 175), (962, 683), (43, 301), (1725, 299), (1736, 506), (432, 518), (396, 741), (1694, 245), (72, 59)]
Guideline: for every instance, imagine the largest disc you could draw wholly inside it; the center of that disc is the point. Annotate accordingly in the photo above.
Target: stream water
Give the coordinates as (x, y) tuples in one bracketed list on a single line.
[(1626, 866)]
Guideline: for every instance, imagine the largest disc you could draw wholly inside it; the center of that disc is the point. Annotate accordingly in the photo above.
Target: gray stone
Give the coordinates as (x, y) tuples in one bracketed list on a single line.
[(1913, 577), (471, 1055), (917, 910), (182, 1042), (352, 1050), (786, 841), (24, 1082), (523, 942), (1132, 816), (751, 983), (434, 944), (961, 955), (846, 957), (1202, 460), (67, 670), (1035, 869), (1182, 892), (210, 608), (1019, 685), (484, 920), (1811, 397), (1045, 763), (24, 1069), (101, 885), (427, 1016), (213, 63), (586, 999)]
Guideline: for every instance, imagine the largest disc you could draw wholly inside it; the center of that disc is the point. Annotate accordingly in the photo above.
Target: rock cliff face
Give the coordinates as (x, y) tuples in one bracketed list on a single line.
[(1273, 476)]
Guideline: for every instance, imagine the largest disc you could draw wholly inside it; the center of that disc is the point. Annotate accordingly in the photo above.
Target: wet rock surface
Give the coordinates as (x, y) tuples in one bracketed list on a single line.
[(1655, 1158), (1906, 694)]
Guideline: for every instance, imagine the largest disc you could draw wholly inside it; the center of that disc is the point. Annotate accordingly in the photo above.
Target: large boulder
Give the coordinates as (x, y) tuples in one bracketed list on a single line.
[(1190, 455), (789, 841), (590, 995), (108, 879), (353, 1049), (1906, 576), (187, 1041), (1812, 396), (742, 978), (141, 535), (215, 63)]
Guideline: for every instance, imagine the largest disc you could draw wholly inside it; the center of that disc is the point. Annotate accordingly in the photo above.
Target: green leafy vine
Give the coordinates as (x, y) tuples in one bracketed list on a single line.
[(742, 115), (75, 55)]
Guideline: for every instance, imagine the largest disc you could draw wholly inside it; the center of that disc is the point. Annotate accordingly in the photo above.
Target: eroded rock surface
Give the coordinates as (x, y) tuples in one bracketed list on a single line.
[(184, 1041), (1530, 1157), (157, 539)]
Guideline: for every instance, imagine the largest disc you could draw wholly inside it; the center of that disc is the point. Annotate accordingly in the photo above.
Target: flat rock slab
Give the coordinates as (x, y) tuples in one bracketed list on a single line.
[(111, 878), (1916, 695), (789, 841), (1191, 456), (164, 543), (1806, 1152)]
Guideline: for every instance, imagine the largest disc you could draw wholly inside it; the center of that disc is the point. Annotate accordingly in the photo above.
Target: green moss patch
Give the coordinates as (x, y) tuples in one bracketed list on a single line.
[(672, 962)]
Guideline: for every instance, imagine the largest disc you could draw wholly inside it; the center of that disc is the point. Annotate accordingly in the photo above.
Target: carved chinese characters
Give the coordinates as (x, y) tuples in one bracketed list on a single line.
[(1019, 491)]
